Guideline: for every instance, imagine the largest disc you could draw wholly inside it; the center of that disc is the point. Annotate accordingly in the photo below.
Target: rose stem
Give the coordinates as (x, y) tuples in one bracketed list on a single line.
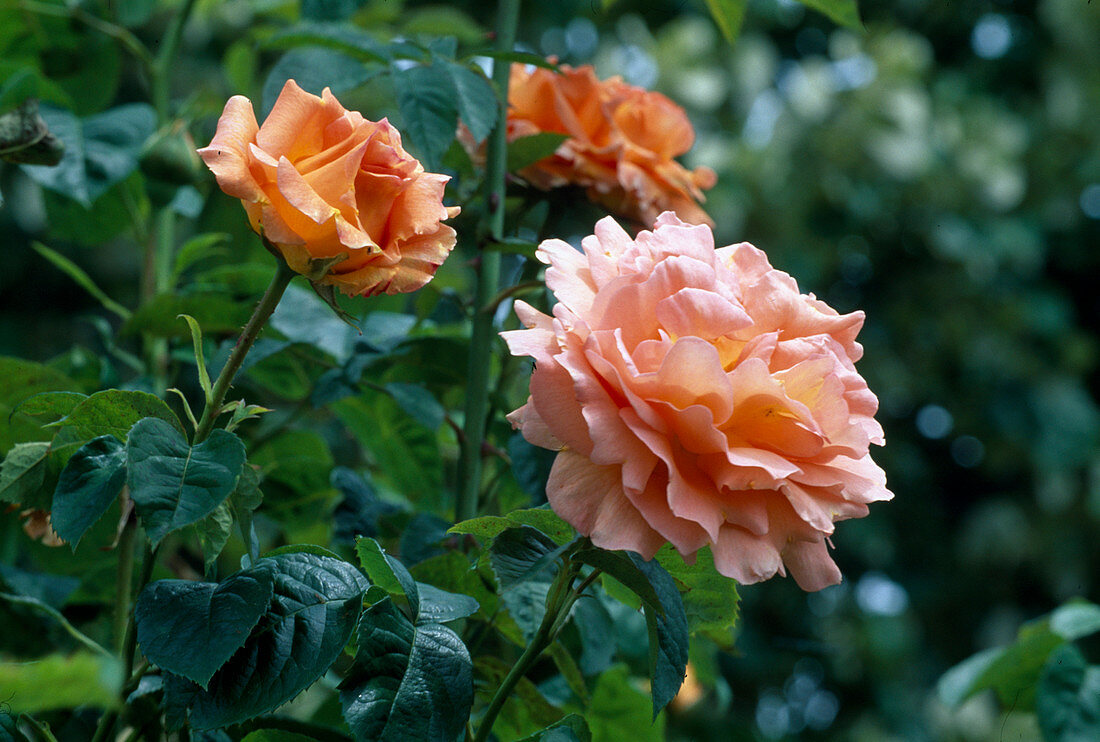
[(488, 278), (559, 601), (251, 331)]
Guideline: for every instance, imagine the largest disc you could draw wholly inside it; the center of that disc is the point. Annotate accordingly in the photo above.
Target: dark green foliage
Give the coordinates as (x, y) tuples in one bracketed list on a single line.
[(115, 412), (668, 632), (408, 681), (304, 629), (1068, 700), (426, 97), (191, 629), (174, 484), (89, 483), (99, 151)]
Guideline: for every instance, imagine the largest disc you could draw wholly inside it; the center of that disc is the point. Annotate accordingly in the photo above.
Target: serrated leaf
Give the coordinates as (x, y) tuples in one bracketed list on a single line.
[(309, 621), (668, 634), (213, 534), (478, 105), (407, 682), (193, 628), (303, 318), (174, 484), (23, 473), (1067, 703), (49, 404), (841, 12), (429, 109), (526, 151), (599, 635), (387, 572), (620, 566), (728, 14), (453, 572), (441, 606), (544, 519), (523, 554), (19, 380), (313, 69), (710, 598), (114, 412), (89, 483), (242, 502), (524, 562)]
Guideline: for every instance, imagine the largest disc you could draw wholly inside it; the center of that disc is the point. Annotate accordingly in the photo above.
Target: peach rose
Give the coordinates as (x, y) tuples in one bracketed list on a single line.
[(318, 180), (696, 397), (622, 142)]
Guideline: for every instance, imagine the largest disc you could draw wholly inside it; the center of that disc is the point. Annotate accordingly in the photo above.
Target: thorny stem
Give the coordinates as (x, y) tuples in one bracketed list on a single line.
[(488, 279), (251, 331), (559, 601)]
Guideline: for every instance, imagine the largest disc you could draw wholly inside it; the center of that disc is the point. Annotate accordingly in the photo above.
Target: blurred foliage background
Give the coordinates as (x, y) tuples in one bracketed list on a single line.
[(940, 171)]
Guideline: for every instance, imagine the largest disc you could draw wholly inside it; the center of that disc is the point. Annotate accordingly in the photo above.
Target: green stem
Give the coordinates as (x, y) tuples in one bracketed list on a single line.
[(124, 579), (165, 61), (510, 291), (559, 600), (251, 331), (129, 645), (488, 278)]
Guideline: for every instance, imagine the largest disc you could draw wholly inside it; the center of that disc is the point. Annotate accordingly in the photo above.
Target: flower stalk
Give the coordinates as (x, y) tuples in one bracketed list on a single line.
[(488, 279), (260, 315), (559, 602)]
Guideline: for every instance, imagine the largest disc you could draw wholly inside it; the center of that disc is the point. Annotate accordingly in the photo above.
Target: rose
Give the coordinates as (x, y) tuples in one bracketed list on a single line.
[(317, 180), (696, 397), (622, 145)]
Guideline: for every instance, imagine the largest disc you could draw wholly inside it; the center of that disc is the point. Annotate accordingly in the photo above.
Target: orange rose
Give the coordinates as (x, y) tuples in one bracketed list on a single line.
[(318, 180), (622, 145)]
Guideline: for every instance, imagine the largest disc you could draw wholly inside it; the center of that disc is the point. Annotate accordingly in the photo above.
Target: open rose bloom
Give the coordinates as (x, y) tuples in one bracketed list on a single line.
[(318, 180), (696, 397), (622, 142)]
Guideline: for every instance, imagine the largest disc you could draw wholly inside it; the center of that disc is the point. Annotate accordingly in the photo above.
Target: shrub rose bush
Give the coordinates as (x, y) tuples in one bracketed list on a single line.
[(622, 142), (318, 180), (696, 397)]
